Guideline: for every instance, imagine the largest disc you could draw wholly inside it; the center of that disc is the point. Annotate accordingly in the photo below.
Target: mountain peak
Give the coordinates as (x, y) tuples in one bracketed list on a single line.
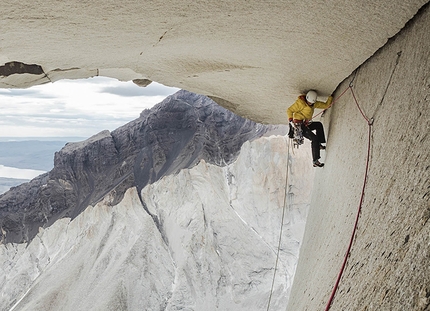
[(175, 134)]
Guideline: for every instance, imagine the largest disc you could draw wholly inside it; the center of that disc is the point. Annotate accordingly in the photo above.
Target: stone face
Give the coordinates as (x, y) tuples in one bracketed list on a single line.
[(256, 56), (95, 256), (388, 268), (176, 134), (203, 239)]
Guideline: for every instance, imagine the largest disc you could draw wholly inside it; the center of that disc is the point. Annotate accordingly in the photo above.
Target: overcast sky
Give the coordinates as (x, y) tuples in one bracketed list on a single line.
[(79, 108)]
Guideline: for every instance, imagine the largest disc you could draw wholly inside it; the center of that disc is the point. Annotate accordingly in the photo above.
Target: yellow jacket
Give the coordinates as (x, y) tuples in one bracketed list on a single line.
[(300, 110)]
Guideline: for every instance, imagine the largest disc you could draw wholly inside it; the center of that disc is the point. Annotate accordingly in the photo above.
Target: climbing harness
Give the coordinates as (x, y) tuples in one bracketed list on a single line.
[(298, 132), (298, 135), (282, 226)]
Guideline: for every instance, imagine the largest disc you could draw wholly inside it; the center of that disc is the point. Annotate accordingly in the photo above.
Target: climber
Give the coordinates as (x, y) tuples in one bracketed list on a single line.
[(300, 115)]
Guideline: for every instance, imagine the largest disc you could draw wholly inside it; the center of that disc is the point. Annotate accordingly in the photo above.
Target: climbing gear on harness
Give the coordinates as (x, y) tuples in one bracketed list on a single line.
[(311, 97), (297, 134), (322, 147)]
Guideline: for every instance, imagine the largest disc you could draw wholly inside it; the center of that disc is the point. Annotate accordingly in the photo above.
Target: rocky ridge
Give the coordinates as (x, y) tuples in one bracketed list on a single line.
[(214, 247), (175, 134)]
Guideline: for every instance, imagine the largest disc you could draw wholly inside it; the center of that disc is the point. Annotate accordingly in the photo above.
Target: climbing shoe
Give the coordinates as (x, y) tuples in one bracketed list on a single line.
[(318, 164)]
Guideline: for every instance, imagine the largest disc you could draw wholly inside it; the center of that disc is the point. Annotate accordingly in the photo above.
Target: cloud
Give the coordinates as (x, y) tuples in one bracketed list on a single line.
[(75, 107), (24, 93)]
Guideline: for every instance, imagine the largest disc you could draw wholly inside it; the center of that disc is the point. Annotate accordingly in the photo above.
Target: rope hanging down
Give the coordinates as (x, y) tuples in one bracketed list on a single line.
[(369, 123), (285, 205), (282, 225)]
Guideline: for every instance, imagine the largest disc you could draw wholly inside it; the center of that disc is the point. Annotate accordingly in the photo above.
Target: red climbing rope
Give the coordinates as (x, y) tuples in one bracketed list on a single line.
[(369, 123), (358, 106), (332, 103)]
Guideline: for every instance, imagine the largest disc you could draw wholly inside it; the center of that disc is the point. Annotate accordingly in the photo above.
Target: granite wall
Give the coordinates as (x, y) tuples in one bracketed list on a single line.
[(388, 267)]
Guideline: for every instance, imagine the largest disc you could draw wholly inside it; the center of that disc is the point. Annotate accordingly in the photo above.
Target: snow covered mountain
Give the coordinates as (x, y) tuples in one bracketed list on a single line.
[(180, 209)]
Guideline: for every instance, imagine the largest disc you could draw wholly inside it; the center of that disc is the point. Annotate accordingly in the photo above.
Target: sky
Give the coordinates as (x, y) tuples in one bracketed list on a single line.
[(75, 108)]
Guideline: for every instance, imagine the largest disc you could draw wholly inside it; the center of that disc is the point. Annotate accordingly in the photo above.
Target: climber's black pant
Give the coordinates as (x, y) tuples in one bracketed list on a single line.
[(317, 139)]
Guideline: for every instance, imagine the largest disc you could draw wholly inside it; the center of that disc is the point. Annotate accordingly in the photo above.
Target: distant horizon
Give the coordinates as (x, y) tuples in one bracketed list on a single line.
[(41, 138)]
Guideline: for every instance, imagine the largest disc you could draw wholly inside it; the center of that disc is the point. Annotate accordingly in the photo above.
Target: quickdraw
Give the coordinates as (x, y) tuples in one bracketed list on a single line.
[(298, 135)]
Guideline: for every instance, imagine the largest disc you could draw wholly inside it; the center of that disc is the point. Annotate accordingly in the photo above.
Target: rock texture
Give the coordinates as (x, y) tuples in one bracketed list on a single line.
[(254, 54), (176, 134), (255, 57), (203, 239), (388, 268)]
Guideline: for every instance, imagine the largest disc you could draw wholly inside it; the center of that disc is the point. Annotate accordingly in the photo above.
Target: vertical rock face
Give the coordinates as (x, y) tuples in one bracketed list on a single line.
[(205, 238), (388, 268), (176, 134)]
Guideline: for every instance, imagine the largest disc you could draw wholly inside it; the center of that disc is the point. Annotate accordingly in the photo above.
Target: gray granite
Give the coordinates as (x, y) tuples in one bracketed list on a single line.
[(175, 134)]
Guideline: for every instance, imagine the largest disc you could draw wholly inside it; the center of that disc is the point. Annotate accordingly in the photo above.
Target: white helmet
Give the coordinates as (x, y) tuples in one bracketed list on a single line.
[(311, 97)]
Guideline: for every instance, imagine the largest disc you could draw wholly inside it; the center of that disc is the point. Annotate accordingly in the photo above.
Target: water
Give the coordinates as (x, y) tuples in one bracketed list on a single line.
[(19, 173)]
